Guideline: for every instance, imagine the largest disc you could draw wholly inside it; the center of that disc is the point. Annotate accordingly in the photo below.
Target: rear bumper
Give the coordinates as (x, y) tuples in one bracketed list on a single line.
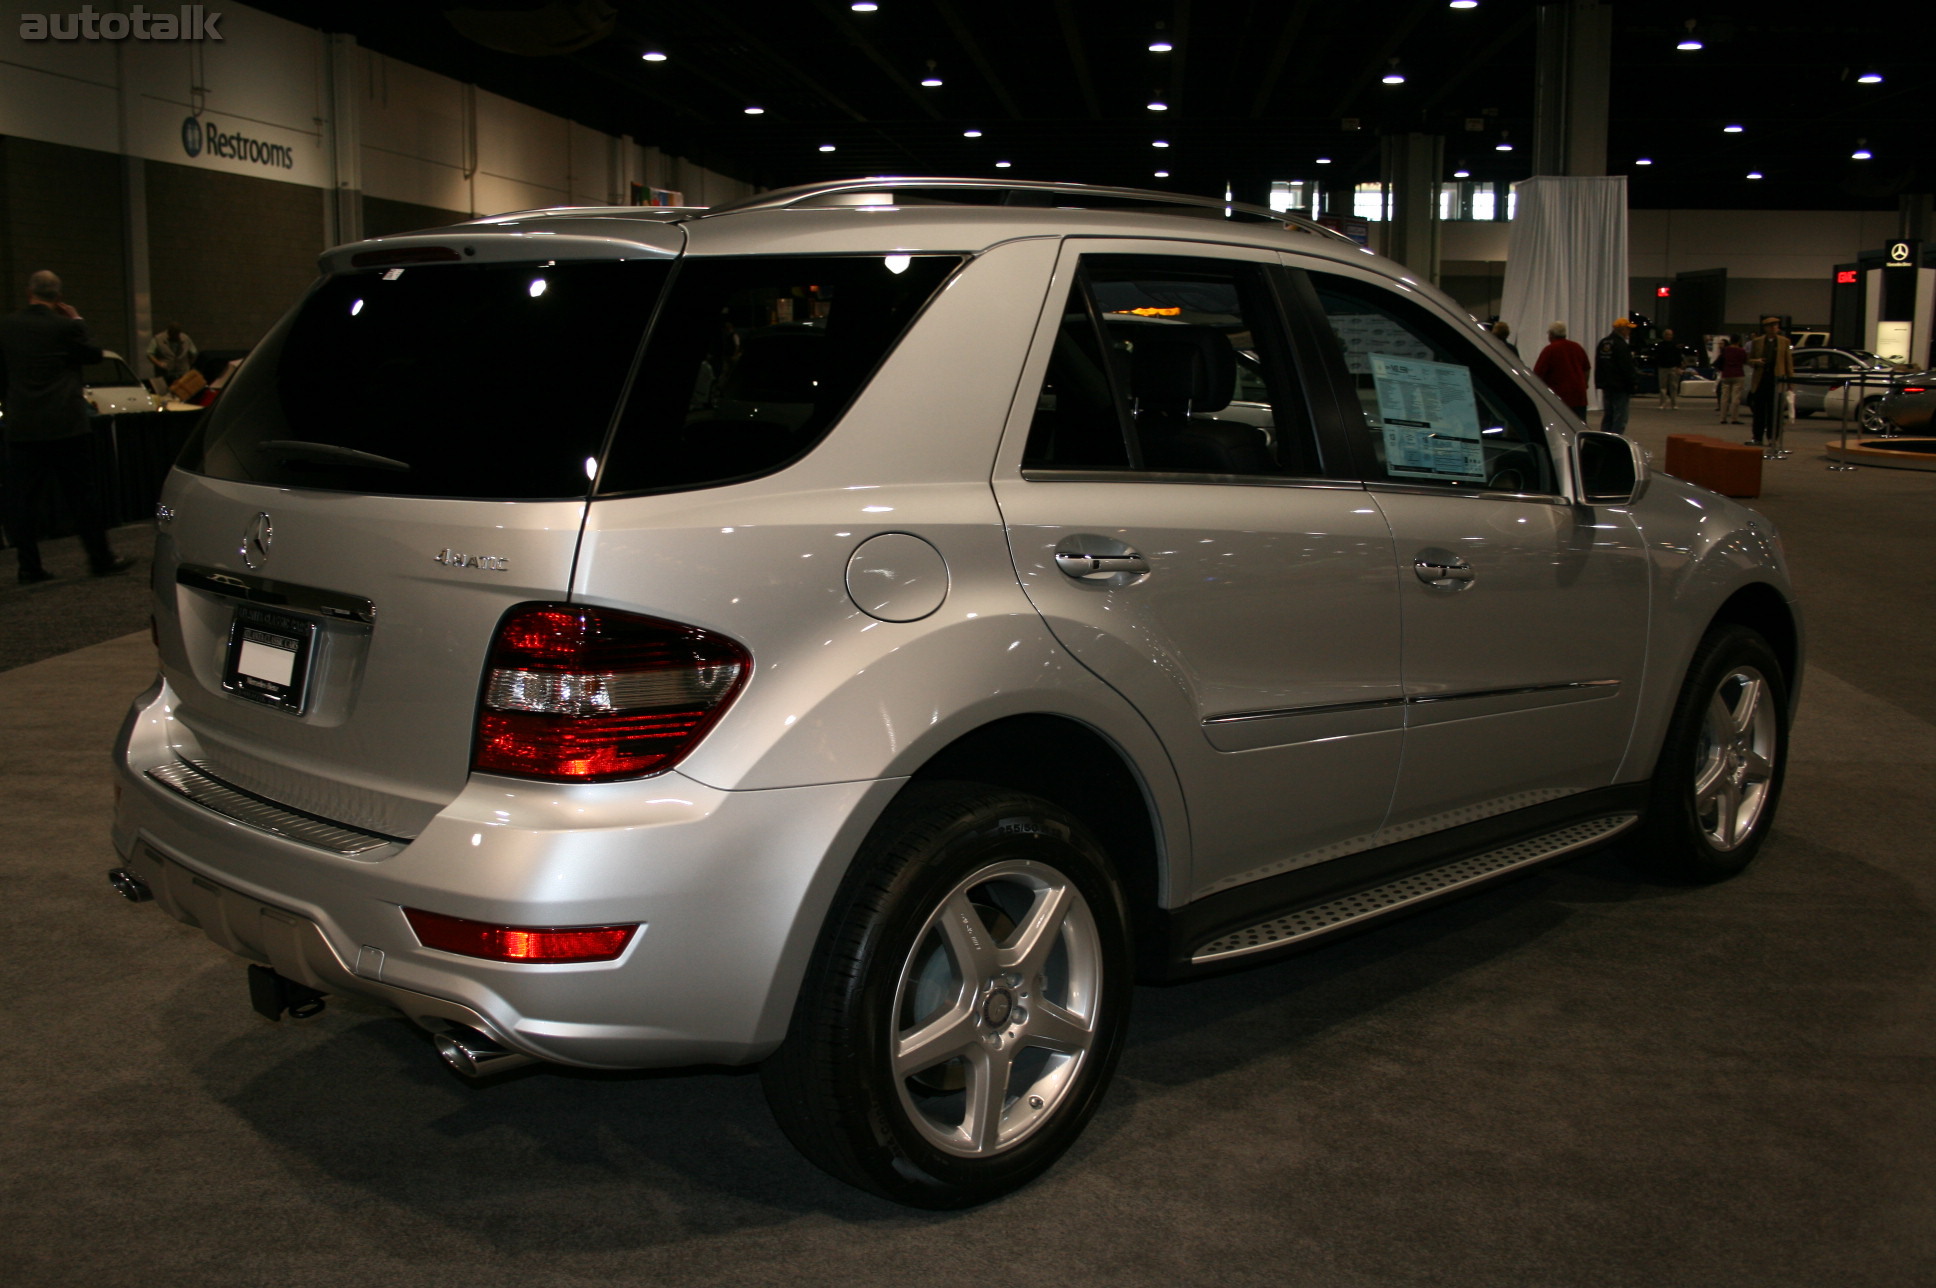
[(730, 889)]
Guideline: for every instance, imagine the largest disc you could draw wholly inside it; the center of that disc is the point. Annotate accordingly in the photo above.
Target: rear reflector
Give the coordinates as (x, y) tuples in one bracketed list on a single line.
[(519, 943), (580, 694)]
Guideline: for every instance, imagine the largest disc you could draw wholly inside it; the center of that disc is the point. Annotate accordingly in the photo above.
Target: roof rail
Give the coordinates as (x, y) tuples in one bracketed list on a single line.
[(1078, 196)]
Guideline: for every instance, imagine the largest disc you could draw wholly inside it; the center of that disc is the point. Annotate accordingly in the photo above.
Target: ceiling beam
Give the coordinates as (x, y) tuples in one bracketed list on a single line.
[(857, 38), (971, 46), (1072, 37), (1286, 41)]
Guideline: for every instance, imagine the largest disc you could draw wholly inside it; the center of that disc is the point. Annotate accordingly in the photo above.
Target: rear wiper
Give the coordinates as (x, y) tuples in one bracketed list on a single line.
[(286, 448)]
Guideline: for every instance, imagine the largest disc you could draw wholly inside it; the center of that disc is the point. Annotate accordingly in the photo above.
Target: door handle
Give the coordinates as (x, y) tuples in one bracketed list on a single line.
[(1085, 567), (1445, 573)]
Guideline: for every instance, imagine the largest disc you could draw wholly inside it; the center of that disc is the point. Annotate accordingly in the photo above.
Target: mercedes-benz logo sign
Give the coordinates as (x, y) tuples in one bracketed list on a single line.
[(192, 137), (1899, 251), (256, 539)]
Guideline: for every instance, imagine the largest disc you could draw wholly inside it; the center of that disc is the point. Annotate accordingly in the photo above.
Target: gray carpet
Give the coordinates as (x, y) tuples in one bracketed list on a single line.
[(1577, 1078)]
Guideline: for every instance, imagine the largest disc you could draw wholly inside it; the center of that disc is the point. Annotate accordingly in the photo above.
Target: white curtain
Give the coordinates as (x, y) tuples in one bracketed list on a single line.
[(1566, 261)]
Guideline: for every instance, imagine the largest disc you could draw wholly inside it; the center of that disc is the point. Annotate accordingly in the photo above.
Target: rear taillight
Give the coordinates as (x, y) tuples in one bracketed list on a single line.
[(579, 694), (519, 943)]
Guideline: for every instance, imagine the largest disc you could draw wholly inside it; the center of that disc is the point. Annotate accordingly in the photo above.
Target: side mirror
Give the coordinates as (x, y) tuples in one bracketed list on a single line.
[(1612, 470)]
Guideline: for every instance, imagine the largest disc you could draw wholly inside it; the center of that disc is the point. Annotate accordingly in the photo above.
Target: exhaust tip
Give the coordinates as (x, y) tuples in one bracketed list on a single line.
[(475, 1055), (129, 886)]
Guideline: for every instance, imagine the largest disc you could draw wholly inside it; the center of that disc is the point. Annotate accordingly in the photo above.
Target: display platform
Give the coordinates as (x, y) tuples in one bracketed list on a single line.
[(1890, 453)]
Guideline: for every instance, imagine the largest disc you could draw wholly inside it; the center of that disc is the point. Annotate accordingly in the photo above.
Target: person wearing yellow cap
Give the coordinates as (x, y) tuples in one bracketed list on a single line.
[(1615, 376)]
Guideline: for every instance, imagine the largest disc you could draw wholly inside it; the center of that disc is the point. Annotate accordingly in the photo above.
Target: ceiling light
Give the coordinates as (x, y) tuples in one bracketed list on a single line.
[(1870, 77), (1690, 41), (1324, 160), (863, 6), (1643, 161), (1392, 75), (826, 147), (1159, 143), (1730, 129), (1754, 174), (653, 56), (971, 134), (756, 111), (1160, 43), (1462, 174), (1464, 4), (1162, 174), (1001, 165), (1502, 146), (932, 80), (1861, 152), (1158, 105)]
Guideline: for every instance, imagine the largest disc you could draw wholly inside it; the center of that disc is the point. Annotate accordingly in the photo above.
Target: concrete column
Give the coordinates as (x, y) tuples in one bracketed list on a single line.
[(1412, 166), (344, 137), (1571, 81)]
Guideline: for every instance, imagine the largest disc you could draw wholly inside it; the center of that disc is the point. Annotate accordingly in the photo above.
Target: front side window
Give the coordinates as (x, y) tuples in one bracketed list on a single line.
[(1171, 365), (1436, 411)]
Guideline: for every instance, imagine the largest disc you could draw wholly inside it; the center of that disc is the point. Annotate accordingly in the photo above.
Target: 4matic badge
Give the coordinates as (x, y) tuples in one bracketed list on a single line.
[(457, 559)]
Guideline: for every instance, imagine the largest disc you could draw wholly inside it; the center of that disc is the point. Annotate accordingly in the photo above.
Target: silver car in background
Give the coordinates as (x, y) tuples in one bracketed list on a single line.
[(882, 713)]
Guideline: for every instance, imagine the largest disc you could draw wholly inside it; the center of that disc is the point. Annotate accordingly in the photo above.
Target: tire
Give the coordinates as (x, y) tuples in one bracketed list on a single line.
[(966, 1004), (1869, 416), (1719, 777)]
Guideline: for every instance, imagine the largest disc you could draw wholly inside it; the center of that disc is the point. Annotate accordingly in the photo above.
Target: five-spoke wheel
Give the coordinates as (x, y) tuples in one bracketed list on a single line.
[(1718, 779), (966, 1004)]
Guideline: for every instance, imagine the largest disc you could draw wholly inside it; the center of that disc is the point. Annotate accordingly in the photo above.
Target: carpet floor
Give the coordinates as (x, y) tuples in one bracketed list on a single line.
[(1578, 1078)]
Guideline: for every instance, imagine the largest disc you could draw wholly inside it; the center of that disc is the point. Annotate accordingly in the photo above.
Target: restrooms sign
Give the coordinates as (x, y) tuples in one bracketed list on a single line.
[(200, 136)]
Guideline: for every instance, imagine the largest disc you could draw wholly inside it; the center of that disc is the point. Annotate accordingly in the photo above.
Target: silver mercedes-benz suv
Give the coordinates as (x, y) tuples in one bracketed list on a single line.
[(865, 628)]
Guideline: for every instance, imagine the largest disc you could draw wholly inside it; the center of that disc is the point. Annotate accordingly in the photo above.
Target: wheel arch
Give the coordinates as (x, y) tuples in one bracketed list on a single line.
[(1075, 766), (1763, 609)]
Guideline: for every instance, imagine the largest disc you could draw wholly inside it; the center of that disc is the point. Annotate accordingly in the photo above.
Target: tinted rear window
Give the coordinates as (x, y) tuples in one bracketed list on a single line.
[(752, 360), (490, 381)]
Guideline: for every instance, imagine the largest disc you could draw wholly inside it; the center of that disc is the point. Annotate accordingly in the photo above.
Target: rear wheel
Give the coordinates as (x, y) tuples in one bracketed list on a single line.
[(1870, 416), (966, 1005), (1719, 777)]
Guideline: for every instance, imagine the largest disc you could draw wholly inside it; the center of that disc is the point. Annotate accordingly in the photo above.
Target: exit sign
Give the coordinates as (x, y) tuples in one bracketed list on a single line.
[(1663, 292)]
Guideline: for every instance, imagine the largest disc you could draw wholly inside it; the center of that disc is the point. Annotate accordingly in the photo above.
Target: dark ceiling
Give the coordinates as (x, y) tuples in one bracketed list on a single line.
[(1256, 89)]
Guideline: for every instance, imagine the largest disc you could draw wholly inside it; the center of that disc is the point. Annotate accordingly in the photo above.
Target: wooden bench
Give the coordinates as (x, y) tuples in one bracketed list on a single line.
[(1732, 469)]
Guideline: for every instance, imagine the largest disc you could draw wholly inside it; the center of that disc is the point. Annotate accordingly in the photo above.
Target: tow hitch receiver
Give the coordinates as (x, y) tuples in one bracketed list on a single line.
[(271, 995)]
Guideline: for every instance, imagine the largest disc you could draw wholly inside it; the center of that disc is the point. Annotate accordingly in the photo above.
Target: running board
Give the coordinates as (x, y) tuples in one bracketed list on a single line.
[(1415, 887)]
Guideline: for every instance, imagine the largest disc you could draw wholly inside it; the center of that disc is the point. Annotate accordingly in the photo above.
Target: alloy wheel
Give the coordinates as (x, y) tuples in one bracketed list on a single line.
[(1735, 765)]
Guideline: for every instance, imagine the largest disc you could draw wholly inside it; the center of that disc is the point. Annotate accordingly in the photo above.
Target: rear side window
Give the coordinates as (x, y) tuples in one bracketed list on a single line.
[(488, 381), (752, 360), (1172, 365)]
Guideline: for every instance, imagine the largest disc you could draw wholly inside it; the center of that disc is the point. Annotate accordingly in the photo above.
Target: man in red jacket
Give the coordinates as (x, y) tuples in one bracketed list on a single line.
[(1562, 364)]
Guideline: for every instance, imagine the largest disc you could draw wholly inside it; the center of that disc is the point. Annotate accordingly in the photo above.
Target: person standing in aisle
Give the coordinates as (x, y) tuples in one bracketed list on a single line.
[(1668, 360), (1615, 376), (1563, 366), (1730, 368), (1502, 332), (42, 350), (1771, 361), (172, 352)]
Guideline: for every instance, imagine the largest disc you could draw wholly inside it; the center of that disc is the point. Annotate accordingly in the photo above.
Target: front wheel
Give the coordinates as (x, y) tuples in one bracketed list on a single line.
[(1718, 780), (1870, 416), (966, 1004)]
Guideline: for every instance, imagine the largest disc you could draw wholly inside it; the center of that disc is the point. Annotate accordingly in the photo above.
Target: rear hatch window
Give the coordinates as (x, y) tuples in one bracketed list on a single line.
[(484, 381)]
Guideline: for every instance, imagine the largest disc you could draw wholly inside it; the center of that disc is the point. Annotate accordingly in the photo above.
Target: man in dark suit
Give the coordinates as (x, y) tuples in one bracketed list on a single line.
[(42, 350)]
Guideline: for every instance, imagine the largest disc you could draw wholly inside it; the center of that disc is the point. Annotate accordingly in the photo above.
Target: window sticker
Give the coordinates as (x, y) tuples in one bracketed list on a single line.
[(1362, 334), (1430, 419)]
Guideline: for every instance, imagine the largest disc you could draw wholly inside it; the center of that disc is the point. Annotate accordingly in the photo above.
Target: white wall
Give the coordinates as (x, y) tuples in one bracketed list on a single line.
[(1752, 243), (425, 139)]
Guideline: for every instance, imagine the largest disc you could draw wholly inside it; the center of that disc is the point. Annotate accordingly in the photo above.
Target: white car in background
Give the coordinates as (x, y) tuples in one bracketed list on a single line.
[(113, 387)]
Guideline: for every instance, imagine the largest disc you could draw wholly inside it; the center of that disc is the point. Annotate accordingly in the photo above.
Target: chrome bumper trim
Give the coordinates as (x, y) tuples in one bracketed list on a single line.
[(211, 793)]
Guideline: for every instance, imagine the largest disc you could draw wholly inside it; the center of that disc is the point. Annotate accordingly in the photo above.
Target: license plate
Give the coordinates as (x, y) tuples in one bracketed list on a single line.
[(268, 658)]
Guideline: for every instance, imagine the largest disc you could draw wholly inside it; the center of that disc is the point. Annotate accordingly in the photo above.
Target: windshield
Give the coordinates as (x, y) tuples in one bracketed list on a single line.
[(485, 381), (107, 373)]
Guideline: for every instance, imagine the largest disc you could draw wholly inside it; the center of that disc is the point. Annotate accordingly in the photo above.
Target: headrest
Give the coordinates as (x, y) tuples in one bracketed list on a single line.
[(1171, 366)]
